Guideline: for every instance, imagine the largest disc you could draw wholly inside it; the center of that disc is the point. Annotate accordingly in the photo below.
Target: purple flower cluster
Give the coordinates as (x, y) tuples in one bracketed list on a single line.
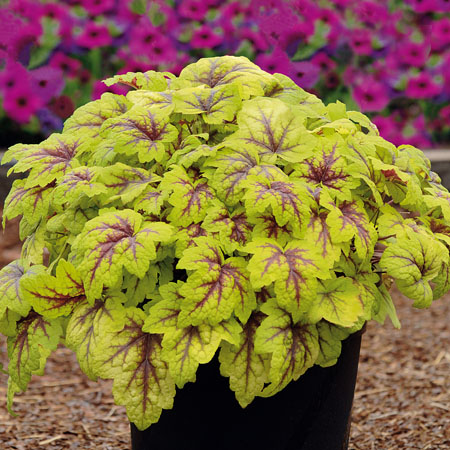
[(388, 58)]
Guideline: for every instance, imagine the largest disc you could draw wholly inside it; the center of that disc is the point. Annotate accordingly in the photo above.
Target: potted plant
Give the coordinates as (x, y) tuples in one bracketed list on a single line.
[(222, 212)]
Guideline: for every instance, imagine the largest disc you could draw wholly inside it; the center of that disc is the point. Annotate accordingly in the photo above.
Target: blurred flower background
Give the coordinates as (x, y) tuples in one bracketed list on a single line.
[(387, 58)]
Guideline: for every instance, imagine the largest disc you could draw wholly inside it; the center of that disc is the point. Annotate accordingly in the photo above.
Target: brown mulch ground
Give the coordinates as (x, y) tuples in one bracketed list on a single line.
[(402, 399)]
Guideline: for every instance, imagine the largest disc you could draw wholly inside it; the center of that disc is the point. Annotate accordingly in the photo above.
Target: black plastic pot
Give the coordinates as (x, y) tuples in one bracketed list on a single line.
[(312, 413)]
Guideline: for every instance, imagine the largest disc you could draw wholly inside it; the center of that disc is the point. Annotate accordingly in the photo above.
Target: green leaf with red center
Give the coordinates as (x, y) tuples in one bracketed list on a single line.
[(270, 127), (113, 241), (162, 101), (28, 351), (248, 371), (337, 301), (133, 359), (190, 196), (289, 201), (413, 262), (141, 132), (293, 270), (184, 348), (349, 220), (125, 182), (54, 296), (330, 337), (33, 203), (266, 226), (232, 227), (216, 105), (216, 289), (82, 334), (293, 345), (225, 70), (148, 81), (11, 295), (328, 169), (87, 120), (77, 185), (48, 161), (186, 237)]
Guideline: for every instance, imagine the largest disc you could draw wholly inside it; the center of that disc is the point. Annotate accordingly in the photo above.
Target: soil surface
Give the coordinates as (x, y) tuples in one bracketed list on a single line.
[(402, 399)]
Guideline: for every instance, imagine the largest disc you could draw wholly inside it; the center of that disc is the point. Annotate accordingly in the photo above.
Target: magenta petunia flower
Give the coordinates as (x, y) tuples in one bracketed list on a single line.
[(21, 40), (233, 9), (371, 13), (100, 88), (387, 126), (328, 16), (371, 95), (422, 6), (193, 9), (162, 51), (47, 82), (97, 7), (440, 34), (304, 73), (306, 9), (323, 61), (273, 26), (21, 103), (442, 6), (361, 42), (136, 65), (54, 11), (300, 32), (94, 36), (13, 75), (204, 37), (444, 113), (257, 41), (422, 86), (275, 62), (70, 66), (413, 53), (26, 8), (143, 36)]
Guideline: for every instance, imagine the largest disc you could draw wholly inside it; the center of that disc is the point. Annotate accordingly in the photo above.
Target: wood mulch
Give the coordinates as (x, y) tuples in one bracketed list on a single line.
[(402, 399)]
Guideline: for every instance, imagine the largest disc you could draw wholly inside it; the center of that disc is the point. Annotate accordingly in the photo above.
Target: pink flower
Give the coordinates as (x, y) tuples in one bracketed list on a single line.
[(387, 126), (13, 76), (416, 140), (21, 103), (273, 26), (68, 65), (324, 62), (306, 9), (94, 36), (256, 39), (444, 113), (21, 39), (361, 42), (440, 33), (233, 9), (204, 37), (300, 32), (413, 54), (371, 13), (422, 86), (162, 51), (97, 7), (275, 62), (54, 11), (328, 16), (193, 9), (26, 8), (304, 73), (371, 95), (143, 36), (422, 6), (47, 82), (136, 65), (100, 88)]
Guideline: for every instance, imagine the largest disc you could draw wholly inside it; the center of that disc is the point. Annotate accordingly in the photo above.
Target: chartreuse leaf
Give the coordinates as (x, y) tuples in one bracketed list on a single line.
[(266, 226), (413, 262), (293, 269), (271, 128), (28, 351), (248, 371), (216, 105), (217, 288), (189, 197), (33, 203), (330, 337), (337, 301), (132, 358), (226, 70), (76, 185), (125, 182), (113, 241), (54, 296), (185, 348), (149, 81), (162, 101), (83, 330), (328, 169), (87, 120), (48, 161), (11, 295), (384, 306), (288, 200), (140, 132), (293, 344)]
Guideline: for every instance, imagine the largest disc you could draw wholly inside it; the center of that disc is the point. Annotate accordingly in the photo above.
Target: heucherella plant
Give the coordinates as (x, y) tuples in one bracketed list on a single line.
[(225, 211)]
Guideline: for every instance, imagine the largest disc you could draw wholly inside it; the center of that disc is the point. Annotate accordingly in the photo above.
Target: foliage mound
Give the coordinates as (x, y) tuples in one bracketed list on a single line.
[(222, 211)]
